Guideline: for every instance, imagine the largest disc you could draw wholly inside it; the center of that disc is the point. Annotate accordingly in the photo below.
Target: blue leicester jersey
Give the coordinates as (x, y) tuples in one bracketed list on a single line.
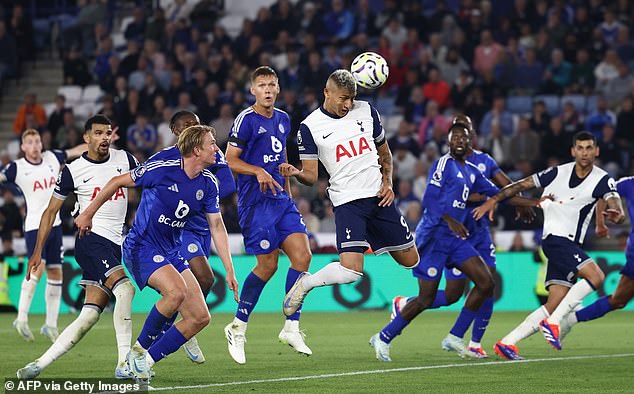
[(625, 187), (226, 184), (448, 189), (169, 201), (263, 144), (489, 168)]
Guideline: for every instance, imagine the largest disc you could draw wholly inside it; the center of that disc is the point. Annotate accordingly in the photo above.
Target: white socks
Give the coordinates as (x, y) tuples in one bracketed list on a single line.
[(26, 296), (575, 295), (528, 327), (53, 298), (333, 273), (122, 317), (71, 335), (291, 325)]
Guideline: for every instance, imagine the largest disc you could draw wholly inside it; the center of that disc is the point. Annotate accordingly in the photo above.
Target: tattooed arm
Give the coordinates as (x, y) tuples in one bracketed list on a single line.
[(386, 194)]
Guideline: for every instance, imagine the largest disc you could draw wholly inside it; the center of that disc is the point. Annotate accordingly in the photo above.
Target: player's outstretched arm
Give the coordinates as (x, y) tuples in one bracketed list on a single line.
[(508, 191), (600, 228), (221, 241), (240, 166), (525, 213), (84, 220), (46, 223), (75, 152), (386, 194), (614, 212), (307, 175)]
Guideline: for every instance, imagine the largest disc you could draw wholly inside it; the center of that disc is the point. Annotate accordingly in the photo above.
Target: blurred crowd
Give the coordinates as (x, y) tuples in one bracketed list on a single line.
[(529, 73)]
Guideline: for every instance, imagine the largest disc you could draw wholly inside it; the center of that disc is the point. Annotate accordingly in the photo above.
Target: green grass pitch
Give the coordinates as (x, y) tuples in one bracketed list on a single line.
[(598, 357)]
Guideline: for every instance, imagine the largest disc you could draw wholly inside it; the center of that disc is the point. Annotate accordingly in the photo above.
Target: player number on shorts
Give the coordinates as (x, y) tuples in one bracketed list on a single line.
[(404, 224)]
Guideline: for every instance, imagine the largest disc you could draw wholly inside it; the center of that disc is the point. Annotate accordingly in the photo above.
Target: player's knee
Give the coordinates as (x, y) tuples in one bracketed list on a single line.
[(176, 295), (201, 320), (452, 297), (487, 285), (618, 302), (302, 261), (206, 284), (421, 302)]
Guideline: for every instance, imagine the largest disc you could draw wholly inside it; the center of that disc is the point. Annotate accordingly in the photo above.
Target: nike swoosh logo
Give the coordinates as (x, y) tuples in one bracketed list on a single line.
[(286, 303), (327, 135), (191, 355), (86, 180)]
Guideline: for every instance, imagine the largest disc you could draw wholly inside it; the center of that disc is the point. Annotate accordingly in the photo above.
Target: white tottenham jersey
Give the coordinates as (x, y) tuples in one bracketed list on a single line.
[(347, 147), (570, 213), (37, 182), (86, 178)]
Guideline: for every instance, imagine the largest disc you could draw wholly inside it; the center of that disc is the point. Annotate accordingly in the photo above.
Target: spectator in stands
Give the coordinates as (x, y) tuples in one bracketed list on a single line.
[(410, 51), (76, 69), (540, 119), (435, 89), (570, 118), (404, 162), (223, 124), (56, 119), (625, 124), (624, 47), (108, 82), (583, 79), (405, 195), (70, 126), (8, 51), (611, 156), (486, 54), (81, 33), (436, 49), (556, 141), (178, 9), (21, 28), (432, 119), (558, 74), (327, 222), (142, 136), (517, 244), (404, 136), (555, 29), (525, 142), (292, 76), (617, 88), (452, 66), (607, 69), (165, 136), (528, 74), (412, 214), (10, 221), (609, 27), (102, 60), (582, 27), (599, 118), (497, 145), (419, 184), (315, 74), (155, 111), (30, 106), (155, 26), (136, 29), (497, 114), (460, 92)]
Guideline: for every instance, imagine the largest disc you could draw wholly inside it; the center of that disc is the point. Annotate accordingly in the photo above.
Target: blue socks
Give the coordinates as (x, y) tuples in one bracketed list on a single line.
[(465, 318), (170, 342), (151, 328), (249, 296), (595, 310), (168, 324), (481, 320), (291, 277), (393, 329)]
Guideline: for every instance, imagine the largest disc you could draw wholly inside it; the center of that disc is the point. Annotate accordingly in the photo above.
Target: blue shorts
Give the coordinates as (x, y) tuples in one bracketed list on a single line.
[(628, 268), (194, 245), (98, 257), (483, 243), (565, 259), (53, 252), (442, 252), (362, 224), (267, 224), (142, 260)]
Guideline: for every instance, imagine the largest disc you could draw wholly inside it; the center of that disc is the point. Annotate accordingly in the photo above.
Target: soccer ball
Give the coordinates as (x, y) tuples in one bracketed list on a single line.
[(370, 70)]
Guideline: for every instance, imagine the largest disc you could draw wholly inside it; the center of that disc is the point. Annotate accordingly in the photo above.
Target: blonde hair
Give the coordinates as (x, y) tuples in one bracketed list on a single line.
[(29, 132), (193, 137)]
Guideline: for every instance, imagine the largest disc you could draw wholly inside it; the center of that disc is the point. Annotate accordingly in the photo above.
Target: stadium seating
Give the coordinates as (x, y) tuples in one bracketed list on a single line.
[(519, 104)]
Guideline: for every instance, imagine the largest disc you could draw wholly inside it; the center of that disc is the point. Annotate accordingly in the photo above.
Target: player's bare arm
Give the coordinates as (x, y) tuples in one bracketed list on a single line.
[(48, 218), (221, 240), (75, 152), (307, 175), (614, 211), (508, 191), (84, 220), (386, 194), (455, 226), (525, 213), (600, 228), (240, 166)]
